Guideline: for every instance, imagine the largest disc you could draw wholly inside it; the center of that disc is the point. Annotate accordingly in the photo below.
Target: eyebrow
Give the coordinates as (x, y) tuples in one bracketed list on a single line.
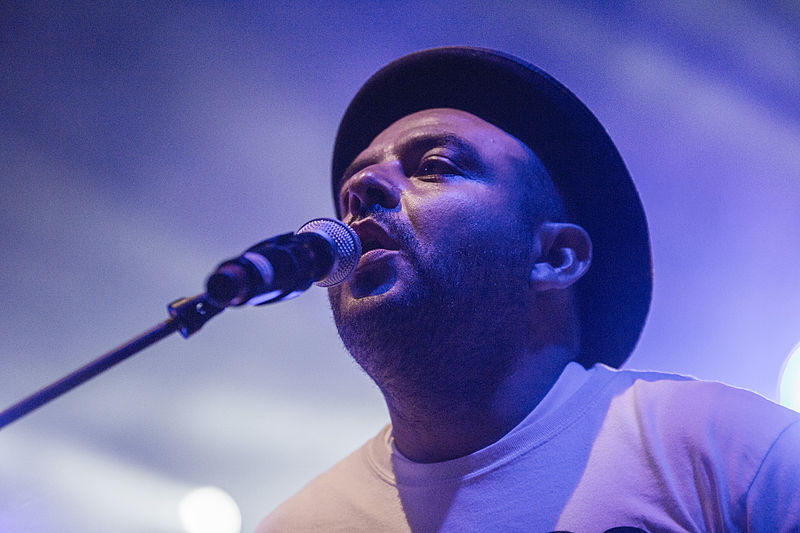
[(418, 144)]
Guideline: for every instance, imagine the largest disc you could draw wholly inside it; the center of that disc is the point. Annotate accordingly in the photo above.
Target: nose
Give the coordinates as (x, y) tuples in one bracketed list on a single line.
[(372, 187)]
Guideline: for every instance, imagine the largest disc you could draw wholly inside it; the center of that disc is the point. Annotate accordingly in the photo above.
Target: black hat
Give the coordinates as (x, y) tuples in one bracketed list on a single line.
[(614, 295)]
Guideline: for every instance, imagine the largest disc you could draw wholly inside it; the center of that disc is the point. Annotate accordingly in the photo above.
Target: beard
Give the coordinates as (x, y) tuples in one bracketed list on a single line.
[(449, 319)]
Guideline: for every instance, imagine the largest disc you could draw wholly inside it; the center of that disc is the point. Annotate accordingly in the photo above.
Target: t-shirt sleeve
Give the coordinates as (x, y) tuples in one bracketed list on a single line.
[(773, 499)]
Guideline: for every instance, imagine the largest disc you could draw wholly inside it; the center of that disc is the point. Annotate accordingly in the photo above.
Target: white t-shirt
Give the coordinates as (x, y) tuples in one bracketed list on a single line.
[(604, 449)]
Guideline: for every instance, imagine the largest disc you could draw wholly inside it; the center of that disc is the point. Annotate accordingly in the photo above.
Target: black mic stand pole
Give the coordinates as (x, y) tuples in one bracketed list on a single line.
[(187, 315)]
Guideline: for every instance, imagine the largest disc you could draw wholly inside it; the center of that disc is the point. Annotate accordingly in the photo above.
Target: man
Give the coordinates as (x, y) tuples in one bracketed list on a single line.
[(506, 270)]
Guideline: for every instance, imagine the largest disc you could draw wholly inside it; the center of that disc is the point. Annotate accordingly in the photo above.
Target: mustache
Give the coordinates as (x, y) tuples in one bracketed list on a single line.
[(396, 228)]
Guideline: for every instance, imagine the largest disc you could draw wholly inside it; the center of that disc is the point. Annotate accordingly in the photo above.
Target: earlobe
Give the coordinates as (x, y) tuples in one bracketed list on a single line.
[(566, 255)]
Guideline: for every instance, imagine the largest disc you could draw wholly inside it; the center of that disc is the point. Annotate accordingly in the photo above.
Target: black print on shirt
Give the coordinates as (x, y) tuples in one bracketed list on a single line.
[(621, 529)]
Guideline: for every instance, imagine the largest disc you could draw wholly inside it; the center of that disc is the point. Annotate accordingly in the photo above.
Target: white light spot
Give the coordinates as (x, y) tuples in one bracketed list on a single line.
[(209, 510), (789, 388)]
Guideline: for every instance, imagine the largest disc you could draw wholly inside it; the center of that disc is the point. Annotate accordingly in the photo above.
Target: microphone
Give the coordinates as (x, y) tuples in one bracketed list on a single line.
[(323, 251)]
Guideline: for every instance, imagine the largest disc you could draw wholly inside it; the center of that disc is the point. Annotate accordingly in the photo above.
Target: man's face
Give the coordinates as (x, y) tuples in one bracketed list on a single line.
[(438, 201)]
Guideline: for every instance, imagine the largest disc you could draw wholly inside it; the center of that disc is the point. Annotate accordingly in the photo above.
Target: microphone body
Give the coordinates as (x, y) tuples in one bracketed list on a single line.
[(323, 251)]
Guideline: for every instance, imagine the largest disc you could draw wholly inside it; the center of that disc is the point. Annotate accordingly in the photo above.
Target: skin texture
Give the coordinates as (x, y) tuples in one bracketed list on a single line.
[(462, 313)]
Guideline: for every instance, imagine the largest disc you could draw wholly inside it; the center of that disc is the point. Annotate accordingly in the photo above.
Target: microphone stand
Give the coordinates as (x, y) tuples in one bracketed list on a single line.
[(187, 315)]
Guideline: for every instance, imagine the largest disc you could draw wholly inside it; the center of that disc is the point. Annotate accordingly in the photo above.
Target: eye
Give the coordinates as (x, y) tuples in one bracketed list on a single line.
[(437, 166)]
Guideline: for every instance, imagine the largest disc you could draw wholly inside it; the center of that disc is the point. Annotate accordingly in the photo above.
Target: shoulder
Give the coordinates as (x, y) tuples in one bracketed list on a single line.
[(708, 421), (685, 399), (732, 445), (354, 495)]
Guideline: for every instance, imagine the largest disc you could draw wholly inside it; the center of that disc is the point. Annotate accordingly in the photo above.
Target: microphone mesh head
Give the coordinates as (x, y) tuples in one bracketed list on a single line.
[(345, 246)]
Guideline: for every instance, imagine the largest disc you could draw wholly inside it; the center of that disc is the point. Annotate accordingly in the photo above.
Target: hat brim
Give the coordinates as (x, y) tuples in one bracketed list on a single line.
[(585, 166)]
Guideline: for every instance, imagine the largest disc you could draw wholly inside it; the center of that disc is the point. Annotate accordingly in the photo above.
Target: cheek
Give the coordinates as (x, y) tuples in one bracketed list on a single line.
[(446, 217)]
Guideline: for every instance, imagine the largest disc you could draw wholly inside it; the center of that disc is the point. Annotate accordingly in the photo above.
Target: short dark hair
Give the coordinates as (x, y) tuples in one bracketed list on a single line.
[(540, 193)]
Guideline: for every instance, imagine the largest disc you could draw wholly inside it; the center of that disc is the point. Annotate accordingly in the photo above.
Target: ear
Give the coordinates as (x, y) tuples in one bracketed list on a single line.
[(565, 256)]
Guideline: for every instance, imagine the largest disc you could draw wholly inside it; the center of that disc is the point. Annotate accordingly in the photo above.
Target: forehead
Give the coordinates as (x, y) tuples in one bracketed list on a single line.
[(449, 122), (441, 126)]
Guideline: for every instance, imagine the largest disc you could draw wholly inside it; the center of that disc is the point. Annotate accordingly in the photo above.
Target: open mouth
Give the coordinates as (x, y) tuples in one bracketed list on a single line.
[(373, 237), (368, 246), (375, 273)]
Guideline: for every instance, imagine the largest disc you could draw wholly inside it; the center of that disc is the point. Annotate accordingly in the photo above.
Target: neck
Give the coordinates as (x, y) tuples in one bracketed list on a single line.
[(460, 414)]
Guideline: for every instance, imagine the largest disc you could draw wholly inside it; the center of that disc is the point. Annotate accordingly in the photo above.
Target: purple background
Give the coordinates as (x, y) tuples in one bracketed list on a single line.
[(140, 145)]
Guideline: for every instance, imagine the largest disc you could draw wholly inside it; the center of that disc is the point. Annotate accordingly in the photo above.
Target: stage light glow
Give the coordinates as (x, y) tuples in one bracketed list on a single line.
[(209, 510), (789, 385)]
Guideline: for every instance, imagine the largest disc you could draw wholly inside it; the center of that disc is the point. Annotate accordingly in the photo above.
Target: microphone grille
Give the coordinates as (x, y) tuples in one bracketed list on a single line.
[(345, 245)]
